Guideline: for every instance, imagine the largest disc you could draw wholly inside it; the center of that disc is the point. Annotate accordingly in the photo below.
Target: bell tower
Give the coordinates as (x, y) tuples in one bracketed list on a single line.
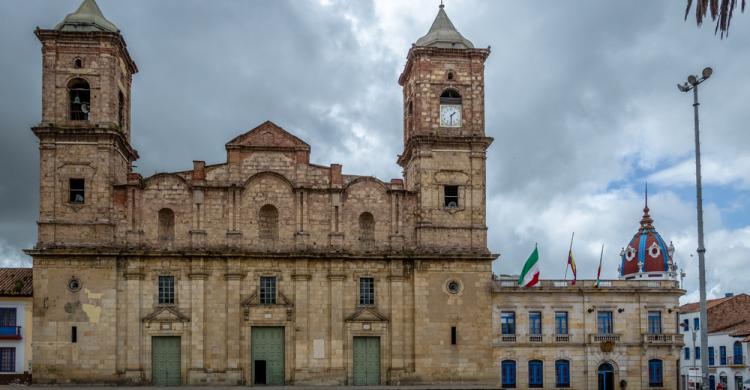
[(444, 138), (84, 134)]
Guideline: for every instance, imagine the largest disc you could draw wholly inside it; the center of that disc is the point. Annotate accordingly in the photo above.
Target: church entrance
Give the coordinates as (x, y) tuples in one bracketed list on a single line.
[(606, 377), (366, 361), (165, 361), (267, 355)]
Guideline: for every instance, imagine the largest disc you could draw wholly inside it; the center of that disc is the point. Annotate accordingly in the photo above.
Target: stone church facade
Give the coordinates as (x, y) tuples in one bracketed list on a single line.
[(267, 269)]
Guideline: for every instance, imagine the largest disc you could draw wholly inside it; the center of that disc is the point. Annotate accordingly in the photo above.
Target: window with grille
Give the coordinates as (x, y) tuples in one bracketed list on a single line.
[(535, 323), (366, 291), (450, 195), (536, 373), (508, 373), (267, 290), (604, 322), (561, 322), (166, 290), (7, 316), (508, 322), (562, 373), (654, 322), (7, 359), (77, 191), (655, 373)]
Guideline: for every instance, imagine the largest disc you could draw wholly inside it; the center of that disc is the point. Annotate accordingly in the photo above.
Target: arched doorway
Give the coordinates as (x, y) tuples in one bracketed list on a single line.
[(606, 377)]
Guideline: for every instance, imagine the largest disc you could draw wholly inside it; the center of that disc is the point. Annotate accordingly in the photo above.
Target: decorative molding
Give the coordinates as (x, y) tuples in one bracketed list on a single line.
[(198, 275), (301, 277), (234, 276), (366, 314), (166, 314), (333, 277), (134, 275), (254, 300)]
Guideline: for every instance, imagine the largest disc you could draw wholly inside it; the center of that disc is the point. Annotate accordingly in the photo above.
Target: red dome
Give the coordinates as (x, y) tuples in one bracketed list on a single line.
[(646, 252)]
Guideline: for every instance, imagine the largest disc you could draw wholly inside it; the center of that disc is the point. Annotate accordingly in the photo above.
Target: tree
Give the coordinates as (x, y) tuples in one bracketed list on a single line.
[(721, 12)]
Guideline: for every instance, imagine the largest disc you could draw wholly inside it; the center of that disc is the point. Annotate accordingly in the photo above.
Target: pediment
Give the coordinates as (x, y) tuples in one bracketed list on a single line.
[(366, 314), (254, 300), (268, 135), (166, 314)]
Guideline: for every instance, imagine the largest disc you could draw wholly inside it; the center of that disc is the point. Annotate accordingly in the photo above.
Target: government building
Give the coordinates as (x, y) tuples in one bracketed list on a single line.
[(267, 269)]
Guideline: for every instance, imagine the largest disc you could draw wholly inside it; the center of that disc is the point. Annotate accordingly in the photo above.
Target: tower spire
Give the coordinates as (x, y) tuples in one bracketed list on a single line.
[(646, 221), (443, 34), (88, 17)]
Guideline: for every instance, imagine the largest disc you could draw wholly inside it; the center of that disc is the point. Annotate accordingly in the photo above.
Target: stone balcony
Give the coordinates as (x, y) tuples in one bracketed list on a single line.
[(603, 338), (662, 339)]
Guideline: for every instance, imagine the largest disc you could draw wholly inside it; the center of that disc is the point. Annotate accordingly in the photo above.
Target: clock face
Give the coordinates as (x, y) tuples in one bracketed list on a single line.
[(450, 115)]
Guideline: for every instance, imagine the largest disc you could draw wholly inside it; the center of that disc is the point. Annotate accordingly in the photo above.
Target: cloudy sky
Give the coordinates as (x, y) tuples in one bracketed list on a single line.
[(581, 101)]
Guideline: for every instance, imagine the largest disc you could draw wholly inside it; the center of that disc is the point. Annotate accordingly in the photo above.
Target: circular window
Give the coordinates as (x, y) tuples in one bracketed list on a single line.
[(74, 284), (654, 250), (453, 287), (630, 254)]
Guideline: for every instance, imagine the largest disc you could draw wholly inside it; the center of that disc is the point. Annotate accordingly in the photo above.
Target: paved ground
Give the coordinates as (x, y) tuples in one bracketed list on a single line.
[(87, 387), (435, 387)]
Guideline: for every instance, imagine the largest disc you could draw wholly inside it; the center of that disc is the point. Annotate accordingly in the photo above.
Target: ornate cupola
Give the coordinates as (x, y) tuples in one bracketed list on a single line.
[(647, 255)]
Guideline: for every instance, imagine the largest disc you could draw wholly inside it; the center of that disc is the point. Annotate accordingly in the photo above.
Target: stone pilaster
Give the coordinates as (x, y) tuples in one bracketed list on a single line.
[(134, 339), (233, 316), (197, 300), (336, 282), (301, 307)]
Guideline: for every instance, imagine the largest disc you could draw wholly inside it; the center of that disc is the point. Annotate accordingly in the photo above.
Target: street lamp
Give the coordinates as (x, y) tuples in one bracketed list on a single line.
[(692, 83)]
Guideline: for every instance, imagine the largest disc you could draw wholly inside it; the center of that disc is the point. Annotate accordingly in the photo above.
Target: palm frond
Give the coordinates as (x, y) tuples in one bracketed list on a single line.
[(721, 11)]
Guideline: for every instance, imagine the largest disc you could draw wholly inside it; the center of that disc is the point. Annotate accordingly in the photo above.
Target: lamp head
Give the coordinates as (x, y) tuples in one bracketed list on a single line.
[(707, 72), (683, 87), (692, 80)]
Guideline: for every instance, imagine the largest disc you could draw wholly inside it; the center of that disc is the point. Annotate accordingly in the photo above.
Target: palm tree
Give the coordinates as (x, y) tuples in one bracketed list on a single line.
[(721, 11)]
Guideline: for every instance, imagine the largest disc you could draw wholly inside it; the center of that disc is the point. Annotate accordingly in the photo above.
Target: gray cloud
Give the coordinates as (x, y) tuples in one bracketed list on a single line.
[(581, 101)]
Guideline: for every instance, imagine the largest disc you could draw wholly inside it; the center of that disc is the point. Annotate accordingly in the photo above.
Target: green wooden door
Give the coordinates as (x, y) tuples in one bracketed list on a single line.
[(267, 352), (366, 361), (165, 361)]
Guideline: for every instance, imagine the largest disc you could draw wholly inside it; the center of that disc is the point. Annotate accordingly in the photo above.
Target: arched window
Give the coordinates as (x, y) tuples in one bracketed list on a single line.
[(366, 230), (536, 373), (562, 373), (450, 75), (737, 352), (268, 223), (508, 374), (80, 99), (78, 63), (655, 373), (166, 225), (450, 96)]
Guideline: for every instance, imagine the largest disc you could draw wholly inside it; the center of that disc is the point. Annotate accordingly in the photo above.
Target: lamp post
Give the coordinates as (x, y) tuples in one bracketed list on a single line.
[(692, 84)]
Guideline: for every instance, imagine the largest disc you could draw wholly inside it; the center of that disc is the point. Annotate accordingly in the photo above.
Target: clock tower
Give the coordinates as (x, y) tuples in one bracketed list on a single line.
[(444, 138)]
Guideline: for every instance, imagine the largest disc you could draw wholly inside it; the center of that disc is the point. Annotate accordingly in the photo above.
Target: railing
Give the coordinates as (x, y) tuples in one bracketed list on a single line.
[(504, 284), (736, 360), (508, 338), (562, 338), (662, 338), (601, 338), (10, 332), (535, 338)]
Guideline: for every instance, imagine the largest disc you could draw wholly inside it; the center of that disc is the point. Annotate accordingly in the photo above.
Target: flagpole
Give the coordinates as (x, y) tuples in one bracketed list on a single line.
[(567, 261)]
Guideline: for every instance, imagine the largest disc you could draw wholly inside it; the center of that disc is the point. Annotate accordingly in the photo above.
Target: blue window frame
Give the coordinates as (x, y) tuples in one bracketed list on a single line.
[(686, 325), (697, 353), (536, 373), (697, 323), (737, 358), (508, 371), (712, 382), (711, 359), (562, 373), (687, 353), (535, 323), (508, 322), (655, 373), (654, 322), (604, 322), (723, 355), (7, 316), (8, 359), (561, 322)]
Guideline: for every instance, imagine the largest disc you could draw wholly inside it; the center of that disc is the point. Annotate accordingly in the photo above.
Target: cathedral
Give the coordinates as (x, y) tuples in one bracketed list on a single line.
[(267, 269)]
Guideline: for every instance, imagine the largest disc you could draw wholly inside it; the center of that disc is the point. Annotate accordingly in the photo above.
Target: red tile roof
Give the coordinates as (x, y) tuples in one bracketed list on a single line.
[(16, 282), (729, 314)]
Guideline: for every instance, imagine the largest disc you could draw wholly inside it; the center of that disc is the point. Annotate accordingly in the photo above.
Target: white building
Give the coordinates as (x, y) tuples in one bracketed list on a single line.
[(728, 341), (15, 325)]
